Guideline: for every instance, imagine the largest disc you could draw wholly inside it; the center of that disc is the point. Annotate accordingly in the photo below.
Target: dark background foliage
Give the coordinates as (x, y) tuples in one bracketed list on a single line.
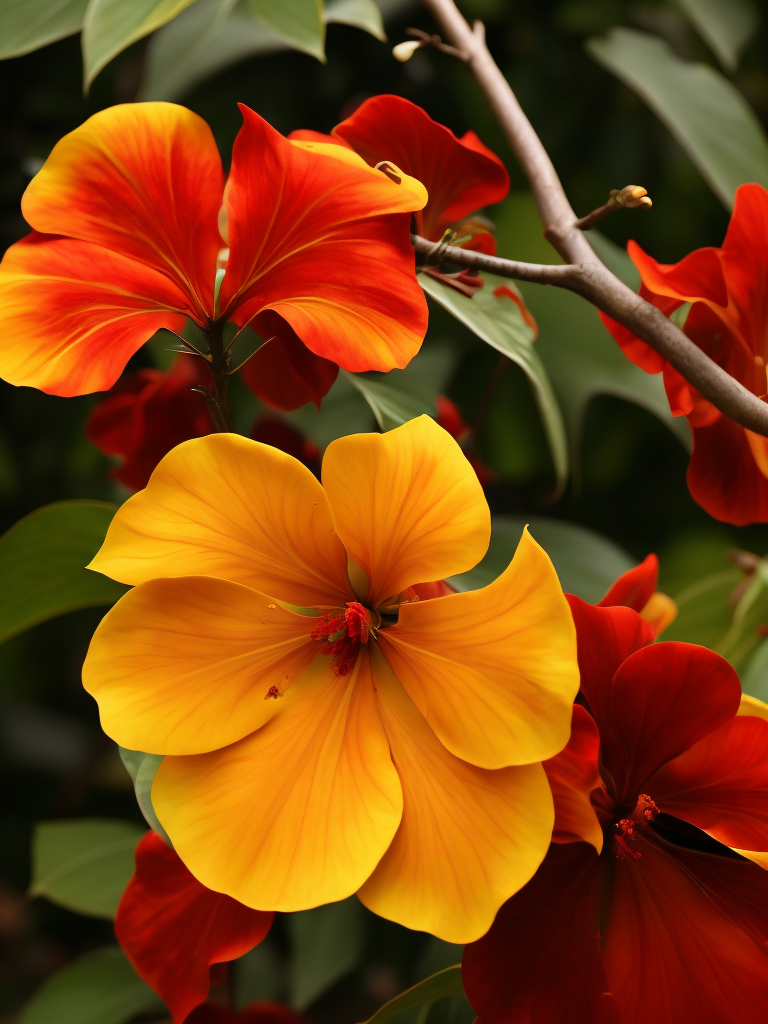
[(631, 483)]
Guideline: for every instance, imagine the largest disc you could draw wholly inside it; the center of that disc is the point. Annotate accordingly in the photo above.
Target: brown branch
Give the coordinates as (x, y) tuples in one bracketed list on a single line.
[(586, 274)]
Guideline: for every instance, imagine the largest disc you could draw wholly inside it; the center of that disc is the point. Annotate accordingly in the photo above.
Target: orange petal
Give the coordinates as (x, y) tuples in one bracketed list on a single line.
[(74, 313), (183, 666), (322, 239), (297, 814), (752, 706), (469, 838), (407, 504), (144, 180), (493, 671), (226, 506)]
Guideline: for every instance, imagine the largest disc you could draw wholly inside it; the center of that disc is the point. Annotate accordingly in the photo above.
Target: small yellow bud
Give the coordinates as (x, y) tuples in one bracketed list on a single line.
[(631, 196), (404, 51)]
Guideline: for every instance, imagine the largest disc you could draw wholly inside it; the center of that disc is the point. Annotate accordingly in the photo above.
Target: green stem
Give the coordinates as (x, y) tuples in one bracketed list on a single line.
[(218, 399)]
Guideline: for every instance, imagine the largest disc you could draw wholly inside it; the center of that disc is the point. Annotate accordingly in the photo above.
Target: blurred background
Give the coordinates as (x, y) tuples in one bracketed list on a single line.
[(628, 458)]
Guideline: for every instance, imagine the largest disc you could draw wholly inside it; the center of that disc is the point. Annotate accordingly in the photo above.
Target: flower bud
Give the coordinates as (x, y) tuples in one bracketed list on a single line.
[(404, 51)]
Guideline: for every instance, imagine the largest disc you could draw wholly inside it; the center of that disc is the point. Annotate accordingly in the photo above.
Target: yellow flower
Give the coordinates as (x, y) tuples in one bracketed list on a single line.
[(323, 738)]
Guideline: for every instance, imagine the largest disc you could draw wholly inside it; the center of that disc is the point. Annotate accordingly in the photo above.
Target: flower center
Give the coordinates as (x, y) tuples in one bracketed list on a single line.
[(341, 633), (625, 830)]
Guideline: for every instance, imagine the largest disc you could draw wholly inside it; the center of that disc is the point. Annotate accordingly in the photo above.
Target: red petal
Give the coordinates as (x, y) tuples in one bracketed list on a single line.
[(745, 263), (173, 929), (723, 476), (145, 425), (638, 352), (283, 373), (720, 784), (461, 175), (662, 700), (540, 962), (449, 417), (572, 775), (699, 275), (605, 638), (272, 430), (635, 587), (671, 955)]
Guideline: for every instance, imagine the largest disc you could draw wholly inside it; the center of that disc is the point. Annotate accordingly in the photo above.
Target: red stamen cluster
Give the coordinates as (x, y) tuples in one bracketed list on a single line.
[(626, 829), (342, 634)]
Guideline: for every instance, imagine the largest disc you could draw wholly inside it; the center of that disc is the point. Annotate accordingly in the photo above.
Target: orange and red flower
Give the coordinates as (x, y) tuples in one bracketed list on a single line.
[(130, 219), (636, 589), (651, 904), (728, 319), (179, 935)]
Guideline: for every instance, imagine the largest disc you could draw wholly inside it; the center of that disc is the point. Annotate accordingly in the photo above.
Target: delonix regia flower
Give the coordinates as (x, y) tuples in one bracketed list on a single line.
[(325, 737), (131, 217)]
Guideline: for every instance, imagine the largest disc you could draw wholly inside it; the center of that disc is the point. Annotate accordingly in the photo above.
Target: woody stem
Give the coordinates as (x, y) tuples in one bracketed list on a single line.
[(584, 272), (218, 397)]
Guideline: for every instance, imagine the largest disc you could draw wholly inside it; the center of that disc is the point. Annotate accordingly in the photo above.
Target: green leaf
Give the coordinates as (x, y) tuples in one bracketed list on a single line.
[(444, 983), (703, 614), (726, 25), (206, 38), (586, 562), (327, 944), (299, 22), (363, 14), (27, 25), (499, 322), (389, 404), (750, 620), (706, 113), (85, 864), (42, 564), (754, 680), (99, 988), (142, 768), (110, 26), (581, 358)]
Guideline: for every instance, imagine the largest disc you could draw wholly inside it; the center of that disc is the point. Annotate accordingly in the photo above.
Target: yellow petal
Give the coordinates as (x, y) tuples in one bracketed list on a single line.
[(340, 152), (755, 856), (660, 611), (407, 505), (469, 838), (226, 506), (300, 812), (183, 666), (752, 706), (493, 671)]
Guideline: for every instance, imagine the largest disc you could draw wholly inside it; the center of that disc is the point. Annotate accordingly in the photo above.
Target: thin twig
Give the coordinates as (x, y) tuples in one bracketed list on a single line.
[(586, 274)]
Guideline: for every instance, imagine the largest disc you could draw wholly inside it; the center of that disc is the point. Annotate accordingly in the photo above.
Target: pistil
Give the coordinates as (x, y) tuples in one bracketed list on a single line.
[(341, 634)]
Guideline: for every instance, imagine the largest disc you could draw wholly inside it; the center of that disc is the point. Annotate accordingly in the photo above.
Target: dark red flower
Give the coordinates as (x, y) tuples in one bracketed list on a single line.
[(728, 319), (449, 417), (272, 430), (261, 1011), (654, 913), (179, 935), (146, 414), (636, 589)]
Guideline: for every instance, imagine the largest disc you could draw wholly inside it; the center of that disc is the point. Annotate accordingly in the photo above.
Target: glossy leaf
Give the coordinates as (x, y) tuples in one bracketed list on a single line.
[(142, 768), (206, 38), (84, 864), (703, 612), (706, 113), (42, 564), (110, 26), (26, 25), (499, 322), (726, 25), (586, 563), (99, 988), (754, 680), (327, 943), (750, 620), (444, 983), (389, 404), (362, 14), (299, 22)]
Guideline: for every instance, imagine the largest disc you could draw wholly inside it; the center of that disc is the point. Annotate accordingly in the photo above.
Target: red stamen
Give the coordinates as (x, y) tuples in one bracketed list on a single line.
[(626, 834), (645, 808), (341, 636)]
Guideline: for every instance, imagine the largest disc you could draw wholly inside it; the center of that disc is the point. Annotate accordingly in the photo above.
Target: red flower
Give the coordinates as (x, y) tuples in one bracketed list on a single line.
[(449, 417), (146, 414), (272, 430), (652, 914), (728, 319), (636, 589), (261, 1011), (177, 934), (131, 218)]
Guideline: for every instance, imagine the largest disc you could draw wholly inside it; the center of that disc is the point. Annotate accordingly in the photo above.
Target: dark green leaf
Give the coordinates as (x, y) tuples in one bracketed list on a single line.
[(299, 22), (142, 768), (99, 988), (706, 113), (84, 864), (586, 563), (207, 37), (26, 25), (749, 621), (726, 25), (363, 14), (42, 564), (327, 944), (444, 983), (499, 322), (110, 26), (703, 613), (389, 404)]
